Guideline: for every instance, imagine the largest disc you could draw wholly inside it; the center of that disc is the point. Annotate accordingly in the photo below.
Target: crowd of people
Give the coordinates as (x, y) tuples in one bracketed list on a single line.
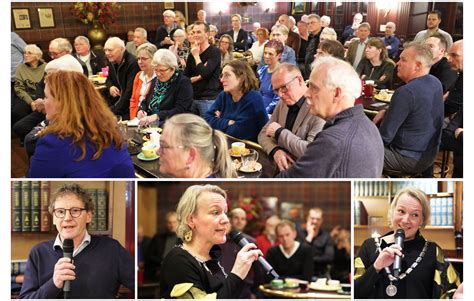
[(290, 88)]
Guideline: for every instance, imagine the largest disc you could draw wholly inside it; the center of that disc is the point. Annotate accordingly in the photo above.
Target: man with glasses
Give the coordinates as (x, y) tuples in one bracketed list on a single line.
[(165, 32), (314, 29), (291, 128), (122, 70), (99, 265), (349, 145)]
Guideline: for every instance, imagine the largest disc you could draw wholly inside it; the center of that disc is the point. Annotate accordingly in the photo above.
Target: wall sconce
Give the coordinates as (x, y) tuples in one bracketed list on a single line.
[(385, 6), (267, 6)]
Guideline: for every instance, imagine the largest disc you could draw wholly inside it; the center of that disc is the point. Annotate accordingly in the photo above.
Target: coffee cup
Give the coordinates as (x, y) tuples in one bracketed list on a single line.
[(321, 281), (334, 283), (346, 287), (149, 151), (237, 148), (249, 160)]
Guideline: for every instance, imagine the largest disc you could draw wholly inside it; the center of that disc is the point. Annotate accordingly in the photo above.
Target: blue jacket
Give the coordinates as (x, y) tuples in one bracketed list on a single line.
[(56, 158), (270, 99), (248, 113)]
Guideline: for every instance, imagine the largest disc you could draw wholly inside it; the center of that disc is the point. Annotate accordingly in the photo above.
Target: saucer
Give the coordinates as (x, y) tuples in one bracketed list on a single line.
[(257, 167), (245, 151), (142, 157)]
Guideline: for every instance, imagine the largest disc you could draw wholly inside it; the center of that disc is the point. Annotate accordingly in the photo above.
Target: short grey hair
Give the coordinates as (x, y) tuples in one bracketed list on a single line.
[(148, 48), (330, 33), (164, 57), (393, 24), (115, 41), (169, 13), (188, 205), (339, 74), (179, 32), (326, 18), (62, 44), (314, 16), (142, 31), (82, 38), (282, 29), (423, 53), (35, 50)]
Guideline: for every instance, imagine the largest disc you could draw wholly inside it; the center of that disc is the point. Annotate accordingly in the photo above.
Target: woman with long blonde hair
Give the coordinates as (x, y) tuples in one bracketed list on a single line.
[(82, 138)]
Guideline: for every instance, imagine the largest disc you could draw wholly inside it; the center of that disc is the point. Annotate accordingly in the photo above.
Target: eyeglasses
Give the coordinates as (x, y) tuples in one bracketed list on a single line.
[(54, 54), (165, 146), (74, 212), (225, 76), (284, 88), (161, 70), (143, 58)]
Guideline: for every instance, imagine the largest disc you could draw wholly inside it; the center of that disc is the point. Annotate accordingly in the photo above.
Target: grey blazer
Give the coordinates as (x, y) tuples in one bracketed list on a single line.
[(304, 130)]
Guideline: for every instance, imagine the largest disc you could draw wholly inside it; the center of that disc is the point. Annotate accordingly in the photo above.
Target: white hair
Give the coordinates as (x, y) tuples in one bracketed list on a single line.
[(169, 13), (115, 41), (65, 63), (339, 74), (164, 57), (142, 31)]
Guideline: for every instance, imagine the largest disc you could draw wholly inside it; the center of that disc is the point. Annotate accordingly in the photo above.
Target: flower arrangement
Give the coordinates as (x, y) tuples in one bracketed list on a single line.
[(97, 13)]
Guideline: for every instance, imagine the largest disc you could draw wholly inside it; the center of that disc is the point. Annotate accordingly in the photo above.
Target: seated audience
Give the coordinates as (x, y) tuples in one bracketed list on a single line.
[(268, 238), (94, 61), (341, 149), (293, 38), (328, 33), (452, 140), (291, 128), (226, 46), (304, 35), (280, 33), (82, 138), (190, 148), (139, 38), (258, 45), (454, 101), (171, 92), (325, 21), (27, 77), (239, 110), (349, 30), (123, 68), (143, 80), (271, 56), (411, 127), (290, 259), (180, 20), (213, 31), (341, 266), (356, 48), (377, 66), (315, 30)]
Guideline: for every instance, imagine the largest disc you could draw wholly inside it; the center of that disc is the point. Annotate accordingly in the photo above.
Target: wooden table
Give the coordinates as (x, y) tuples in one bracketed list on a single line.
[(151, 169), (297, 293)]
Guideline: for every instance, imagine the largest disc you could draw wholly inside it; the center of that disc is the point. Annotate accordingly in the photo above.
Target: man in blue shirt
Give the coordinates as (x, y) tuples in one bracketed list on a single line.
[(391, 41)]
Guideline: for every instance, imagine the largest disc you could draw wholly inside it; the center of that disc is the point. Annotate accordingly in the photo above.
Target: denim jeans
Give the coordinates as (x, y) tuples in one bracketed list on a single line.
[(203, 105)]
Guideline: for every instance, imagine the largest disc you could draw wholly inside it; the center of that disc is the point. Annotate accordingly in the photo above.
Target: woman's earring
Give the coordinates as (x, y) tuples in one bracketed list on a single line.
[(188, 236)]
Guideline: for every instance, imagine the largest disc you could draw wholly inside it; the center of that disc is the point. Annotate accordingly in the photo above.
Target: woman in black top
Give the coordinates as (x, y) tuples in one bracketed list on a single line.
[(425, 274), (377, 66), (192, 269), (170, 93)]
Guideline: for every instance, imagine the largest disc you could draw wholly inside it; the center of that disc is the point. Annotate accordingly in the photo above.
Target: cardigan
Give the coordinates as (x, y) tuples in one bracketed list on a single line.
[(248, 113), (136, 93), (101, 267), (55, 157)]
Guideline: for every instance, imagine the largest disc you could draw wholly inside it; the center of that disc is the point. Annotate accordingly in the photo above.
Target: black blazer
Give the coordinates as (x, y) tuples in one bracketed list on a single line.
[(178, 99), (242, 40)]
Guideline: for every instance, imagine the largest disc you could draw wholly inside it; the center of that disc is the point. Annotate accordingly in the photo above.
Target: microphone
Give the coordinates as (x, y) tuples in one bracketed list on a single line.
[(397, 263), (240, 240), (68, 248)]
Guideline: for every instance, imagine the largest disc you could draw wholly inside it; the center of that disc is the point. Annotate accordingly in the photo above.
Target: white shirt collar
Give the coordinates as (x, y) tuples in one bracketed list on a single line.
[(293, 251), (84, 243)]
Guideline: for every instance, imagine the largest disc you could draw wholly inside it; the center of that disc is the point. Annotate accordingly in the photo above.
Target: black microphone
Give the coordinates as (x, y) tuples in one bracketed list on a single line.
[(239, 239), (397, 263), (68, 248)]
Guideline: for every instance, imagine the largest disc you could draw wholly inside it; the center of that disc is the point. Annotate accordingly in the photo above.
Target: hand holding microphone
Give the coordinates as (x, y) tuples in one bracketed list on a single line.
[(246, 256), (389, 255), (240, 240), (64, 269)]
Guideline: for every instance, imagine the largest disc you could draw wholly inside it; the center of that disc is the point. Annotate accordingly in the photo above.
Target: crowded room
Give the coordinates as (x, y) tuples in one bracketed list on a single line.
[(237, 89), (244, 240)]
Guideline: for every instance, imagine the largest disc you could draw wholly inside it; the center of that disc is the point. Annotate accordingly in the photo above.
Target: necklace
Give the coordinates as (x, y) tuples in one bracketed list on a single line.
[(391, 289), (202, 262)]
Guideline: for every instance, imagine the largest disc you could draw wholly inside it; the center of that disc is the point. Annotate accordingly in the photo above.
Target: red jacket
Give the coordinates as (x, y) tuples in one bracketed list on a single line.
[(137, 86)]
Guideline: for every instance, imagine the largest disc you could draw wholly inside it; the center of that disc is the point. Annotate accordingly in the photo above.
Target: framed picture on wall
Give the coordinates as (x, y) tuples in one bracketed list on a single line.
[(46, 17), (21, 18), (169, 4), (292, 211), (298, 7)]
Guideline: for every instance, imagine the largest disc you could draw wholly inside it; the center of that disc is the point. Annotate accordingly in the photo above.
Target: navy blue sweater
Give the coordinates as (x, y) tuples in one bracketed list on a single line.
[(248, 113), (100, 269)]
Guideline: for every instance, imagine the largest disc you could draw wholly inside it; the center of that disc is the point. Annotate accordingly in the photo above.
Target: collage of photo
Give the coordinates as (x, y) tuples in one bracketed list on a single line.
[(237, 150)]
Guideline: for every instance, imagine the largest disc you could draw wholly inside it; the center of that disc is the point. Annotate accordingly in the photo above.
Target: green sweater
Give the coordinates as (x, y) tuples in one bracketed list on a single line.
[(26, 80)]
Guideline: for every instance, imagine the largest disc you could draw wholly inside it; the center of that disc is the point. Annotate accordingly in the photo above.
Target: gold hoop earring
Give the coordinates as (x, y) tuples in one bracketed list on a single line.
[(188, 236)]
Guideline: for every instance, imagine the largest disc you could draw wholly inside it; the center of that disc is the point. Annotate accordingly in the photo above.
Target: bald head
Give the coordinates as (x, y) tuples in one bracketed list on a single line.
[(238, 219), (456, 55), (114, 49)]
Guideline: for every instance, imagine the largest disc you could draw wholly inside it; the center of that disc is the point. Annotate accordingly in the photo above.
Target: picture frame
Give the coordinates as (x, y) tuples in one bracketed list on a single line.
[(46, 17), (292, 211), (168, 4), (298, 7), (21, 18)]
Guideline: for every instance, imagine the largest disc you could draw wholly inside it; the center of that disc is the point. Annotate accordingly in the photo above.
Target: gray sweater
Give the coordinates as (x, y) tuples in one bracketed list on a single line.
[(349, 146)]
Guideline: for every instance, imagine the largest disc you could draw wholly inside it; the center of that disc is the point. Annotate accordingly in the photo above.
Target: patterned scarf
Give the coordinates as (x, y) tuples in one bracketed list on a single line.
[(160, 90)]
